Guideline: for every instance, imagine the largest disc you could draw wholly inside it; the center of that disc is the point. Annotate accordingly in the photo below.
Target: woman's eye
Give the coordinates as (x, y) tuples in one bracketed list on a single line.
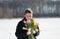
[(29, 16)]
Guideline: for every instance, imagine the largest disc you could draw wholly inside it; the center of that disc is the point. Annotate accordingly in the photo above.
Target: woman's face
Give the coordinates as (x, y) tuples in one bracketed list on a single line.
[(28, 16)]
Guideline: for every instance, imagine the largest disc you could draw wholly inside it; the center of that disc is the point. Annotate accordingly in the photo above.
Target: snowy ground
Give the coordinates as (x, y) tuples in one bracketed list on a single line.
[(50, 28)]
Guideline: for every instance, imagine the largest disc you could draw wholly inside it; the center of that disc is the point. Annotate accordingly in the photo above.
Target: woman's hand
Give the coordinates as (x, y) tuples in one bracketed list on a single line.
[(34, 31), (29, 32)]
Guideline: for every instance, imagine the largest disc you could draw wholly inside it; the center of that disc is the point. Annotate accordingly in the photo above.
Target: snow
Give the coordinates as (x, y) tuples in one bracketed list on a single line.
[(49, 28)]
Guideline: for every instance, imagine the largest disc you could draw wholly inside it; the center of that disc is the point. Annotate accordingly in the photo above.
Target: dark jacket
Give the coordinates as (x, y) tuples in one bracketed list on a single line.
[(20, 33)]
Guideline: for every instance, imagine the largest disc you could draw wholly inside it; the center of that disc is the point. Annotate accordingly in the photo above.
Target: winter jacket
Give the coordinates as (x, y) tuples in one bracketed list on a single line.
[(22, 34)]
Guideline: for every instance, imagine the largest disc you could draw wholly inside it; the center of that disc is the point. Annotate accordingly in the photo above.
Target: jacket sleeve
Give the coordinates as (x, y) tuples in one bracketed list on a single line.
[(37, 33), (20, 33)]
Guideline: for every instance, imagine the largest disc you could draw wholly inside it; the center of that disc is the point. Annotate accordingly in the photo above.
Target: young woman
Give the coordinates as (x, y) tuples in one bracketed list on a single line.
[(21, 31)]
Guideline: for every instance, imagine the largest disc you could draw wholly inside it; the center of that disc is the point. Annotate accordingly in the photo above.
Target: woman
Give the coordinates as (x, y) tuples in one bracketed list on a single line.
[(21, 31)]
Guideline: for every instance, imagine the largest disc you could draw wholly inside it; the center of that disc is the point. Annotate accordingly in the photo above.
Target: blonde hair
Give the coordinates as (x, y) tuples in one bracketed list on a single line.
[(28, 10)]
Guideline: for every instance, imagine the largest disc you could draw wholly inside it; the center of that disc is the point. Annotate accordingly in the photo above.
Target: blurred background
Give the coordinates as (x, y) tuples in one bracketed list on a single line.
[(41, 8), (46, 13)]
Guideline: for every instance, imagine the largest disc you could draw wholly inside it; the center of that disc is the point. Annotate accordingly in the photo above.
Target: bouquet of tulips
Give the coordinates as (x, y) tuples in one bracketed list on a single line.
[(32, 25)]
